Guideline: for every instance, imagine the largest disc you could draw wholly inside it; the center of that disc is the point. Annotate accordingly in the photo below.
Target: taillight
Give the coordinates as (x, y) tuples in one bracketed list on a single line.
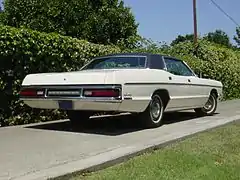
[(31, 92), (101, 93)]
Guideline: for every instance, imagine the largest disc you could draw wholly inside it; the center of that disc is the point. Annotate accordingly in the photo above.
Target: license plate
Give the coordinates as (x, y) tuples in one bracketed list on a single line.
[(67, 105)]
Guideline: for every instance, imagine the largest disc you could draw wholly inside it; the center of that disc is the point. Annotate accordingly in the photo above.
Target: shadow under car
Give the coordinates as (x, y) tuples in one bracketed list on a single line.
[(112, 125)]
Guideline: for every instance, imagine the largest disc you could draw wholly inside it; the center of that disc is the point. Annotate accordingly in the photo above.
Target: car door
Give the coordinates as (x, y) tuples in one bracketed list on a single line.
[(180, 86), (200, 89)]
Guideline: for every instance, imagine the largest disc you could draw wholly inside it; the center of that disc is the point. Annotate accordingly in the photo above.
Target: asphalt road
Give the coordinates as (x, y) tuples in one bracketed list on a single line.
[(45, 150)]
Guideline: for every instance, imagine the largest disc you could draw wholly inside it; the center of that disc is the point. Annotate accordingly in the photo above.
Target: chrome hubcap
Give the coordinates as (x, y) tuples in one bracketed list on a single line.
[(155, 109), (210, 104)]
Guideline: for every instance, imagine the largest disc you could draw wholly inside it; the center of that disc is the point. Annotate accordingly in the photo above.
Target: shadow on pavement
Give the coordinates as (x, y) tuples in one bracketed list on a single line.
[(112, 126)]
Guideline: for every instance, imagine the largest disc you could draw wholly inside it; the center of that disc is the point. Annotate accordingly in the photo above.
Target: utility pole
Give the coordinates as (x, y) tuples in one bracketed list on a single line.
[(195, 22), (195, 31)]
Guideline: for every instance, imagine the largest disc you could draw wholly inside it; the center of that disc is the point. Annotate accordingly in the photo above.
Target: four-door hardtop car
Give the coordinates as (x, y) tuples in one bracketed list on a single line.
[(141, 83)]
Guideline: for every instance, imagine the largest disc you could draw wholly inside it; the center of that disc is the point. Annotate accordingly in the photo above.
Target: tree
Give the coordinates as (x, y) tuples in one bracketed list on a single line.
[(218, 37), (237, 37), (148, 45), (180, 38), (98, 21)]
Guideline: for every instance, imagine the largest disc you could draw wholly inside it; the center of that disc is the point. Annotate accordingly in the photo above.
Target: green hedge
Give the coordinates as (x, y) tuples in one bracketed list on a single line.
[(26, 51)]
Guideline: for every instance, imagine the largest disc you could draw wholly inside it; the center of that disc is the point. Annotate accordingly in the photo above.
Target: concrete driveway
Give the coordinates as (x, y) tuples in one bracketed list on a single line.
[(51, 149)]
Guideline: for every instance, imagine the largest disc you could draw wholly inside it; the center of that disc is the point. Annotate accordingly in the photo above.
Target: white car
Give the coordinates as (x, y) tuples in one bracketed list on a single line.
[(141, 83)]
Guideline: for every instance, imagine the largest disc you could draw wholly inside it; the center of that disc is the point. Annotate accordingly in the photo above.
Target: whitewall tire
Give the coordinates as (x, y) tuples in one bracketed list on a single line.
[(153, 115), (210, 107)]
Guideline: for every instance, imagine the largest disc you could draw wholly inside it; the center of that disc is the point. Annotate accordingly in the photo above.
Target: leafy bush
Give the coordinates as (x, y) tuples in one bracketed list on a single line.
[(26, 51)]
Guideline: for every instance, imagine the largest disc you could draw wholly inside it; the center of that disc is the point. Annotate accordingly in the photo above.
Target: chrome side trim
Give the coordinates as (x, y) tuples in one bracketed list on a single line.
[(167, 83)]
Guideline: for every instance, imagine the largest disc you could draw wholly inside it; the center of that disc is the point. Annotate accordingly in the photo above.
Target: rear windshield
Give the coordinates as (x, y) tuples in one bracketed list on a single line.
[(117, 63)]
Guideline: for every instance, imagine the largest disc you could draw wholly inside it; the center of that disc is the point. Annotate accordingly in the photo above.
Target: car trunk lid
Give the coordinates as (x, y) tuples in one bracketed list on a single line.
[(78, 77)]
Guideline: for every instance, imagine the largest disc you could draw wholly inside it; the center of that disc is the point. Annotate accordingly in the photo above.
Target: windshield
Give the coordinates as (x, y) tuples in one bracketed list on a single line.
[(117, 62)]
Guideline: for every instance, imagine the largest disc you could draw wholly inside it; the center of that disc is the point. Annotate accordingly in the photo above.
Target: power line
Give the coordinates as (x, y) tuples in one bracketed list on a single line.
[(226, 14)]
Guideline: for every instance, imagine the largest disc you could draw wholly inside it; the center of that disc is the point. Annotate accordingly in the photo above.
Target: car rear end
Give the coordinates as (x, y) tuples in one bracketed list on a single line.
[(72, 91), (98, 86)]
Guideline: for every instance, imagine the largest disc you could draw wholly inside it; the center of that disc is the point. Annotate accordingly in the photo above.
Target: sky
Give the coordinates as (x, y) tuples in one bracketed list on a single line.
[(164, 20)]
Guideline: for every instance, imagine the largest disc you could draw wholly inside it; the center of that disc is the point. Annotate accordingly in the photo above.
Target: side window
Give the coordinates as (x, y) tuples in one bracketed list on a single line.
[(177, 67)]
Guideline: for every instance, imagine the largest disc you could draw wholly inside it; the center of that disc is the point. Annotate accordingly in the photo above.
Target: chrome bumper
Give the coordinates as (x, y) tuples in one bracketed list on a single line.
[(75, 104)]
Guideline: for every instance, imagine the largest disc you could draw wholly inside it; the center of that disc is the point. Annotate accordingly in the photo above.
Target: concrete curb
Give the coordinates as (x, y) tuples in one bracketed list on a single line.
[(57, 121), (118, 155)]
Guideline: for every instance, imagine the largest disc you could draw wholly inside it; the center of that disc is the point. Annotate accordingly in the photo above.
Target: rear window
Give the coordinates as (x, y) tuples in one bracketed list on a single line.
[(117, 63)]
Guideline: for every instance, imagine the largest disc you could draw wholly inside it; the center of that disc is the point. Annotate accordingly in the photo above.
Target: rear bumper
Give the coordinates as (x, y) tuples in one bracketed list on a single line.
[(137, 105), (77, 104)]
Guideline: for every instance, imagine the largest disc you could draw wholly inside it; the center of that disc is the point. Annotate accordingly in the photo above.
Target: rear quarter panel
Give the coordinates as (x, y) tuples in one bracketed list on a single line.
[(139, 85)]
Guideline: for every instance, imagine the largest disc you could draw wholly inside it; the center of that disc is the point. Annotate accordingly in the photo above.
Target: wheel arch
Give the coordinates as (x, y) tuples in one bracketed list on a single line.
[(164, 94), (215, 92)]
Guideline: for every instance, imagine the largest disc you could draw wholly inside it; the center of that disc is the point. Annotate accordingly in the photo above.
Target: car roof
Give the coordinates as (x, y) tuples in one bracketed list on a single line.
[(131, 53), (152, 57), (137, 54)]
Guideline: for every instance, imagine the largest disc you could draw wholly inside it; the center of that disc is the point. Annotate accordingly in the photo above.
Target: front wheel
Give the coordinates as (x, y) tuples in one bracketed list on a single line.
[(152, 116), (210, 107)]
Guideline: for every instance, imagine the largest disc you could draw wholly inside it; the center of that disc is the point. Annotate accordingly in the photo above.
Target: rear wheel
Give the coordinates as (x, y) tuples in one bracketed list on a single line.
[(209, 108), (152, 116), (78, 118)]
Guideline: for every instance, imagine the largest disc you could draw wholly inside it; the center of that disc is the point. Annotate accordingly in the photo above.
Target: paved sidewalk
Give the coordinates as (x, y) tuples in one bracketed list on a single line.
[(53, 149)]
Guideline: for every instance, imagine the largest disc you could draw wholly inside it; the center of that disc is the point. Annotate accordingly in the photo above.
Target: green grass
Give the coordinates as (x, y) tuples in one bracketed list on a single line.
[(213, 155)]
